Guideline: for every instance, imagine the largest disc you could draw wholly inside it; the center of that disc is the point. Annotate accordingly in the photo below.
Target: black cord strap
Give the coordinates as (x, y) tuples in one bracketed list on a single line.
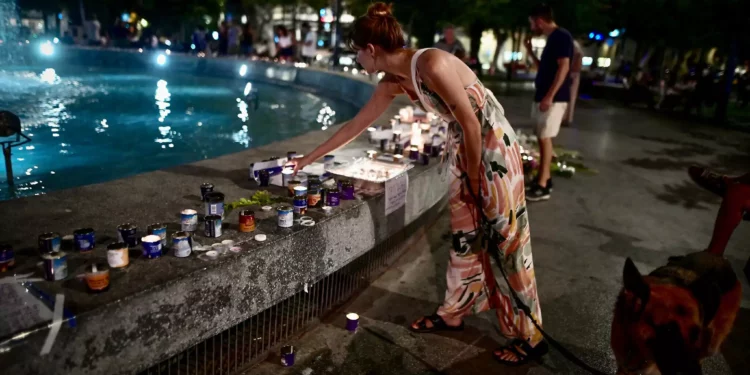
[(496, 254)]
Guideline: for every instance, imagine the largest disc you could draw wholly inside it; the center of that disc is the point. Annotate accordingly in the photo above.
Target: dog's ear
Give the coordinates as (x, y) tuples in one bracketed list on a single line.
[(708, 295), (671, 353), (633, 282)]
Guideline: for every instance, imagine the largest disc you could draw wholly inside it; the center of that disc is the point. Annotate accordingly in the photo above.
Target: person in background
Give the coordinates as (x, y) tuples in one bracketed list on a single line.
[(233, 38), (552, 92), (743, 88), (284, 44), (309, 46), (449, 43), (199, 39), (247, 40), (575, 81), (223, 39), (489, 221), (93, 31), (67, 39)]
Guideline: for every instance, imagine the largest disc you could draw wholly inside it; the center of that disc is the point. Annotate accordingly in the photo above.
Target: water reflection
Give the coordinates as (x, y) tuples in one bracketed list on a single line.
[(49, 76), (162, 97), (242, 105), (326, 116), (242, 137)]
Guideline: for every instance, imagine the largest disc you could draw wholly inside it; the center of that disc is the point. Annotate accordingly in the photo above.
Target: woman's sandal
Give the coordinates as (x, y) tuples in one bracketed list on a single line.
[(438, 324), (523, 352)]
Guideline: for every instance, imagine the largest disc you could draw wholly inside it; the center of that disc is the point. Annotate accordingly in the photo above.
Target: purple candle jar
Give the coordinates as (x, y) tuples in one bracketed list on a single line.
[(427, 148), (264, 177), (398, 149), (414, 153), (347, 190), (425, 157), (352, 322), (287, 356), (332, 197), (435, 151)]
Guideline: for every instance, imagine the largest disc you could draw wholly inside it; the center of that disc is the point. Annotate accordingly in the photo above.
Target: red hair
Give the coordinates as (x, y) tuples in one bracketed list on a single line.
[(377, 27)]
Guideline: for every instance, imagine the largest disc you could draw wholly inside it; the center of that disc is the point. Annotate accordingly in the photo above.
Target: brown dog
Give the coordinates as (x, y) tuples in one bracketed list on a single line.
[(669, 321)]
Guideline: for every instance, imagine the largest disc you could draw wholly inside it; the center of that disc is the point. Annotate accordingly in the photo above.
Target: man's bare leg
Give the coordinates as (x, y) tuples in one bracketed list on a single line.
[(545, 153), (735, 203)]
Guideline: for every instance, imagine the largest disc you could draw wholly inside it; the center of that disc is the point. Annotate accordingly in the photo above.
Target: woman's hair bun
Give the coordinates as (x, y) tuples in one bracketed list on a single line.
[(380, 9)]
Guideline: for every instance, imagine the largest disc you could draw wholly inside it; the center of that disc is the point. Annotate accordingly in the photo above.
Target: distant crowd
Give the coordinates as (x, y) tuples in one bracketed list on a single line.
[(230, 39)]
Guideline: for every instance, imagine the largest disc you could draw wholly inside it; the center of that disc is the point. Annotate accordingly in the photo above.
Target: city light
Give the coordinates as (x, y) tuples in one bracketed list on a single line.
[(215, 35), (243, 70), (192, 46), (47, 48), (55, 40), (587, 60), (168, 42), (168, 52), (603, 62), (161, 59), (244, 19), (144, 23), (614, 33)]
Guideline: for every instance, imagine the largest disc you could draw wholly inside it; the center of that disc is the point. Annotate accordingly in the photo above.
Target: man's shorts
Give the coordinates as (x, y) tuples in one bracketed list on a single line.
[(547, 124)]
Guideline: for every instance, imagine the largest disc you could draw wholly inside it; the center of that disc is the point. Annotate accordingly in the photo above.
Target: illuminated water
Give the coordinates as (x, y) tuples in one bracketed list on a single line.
[(93, 126)]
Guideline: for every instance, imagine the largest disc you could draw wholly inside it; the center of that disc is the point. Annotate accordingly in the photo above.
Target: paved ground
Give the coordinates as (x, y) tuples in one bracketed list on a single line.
[(639, 205)]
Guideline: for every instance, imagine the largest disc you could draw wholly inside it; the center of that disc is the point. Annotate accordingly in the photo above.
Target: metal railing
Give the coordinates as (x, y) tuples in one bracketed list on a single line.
[(249, 342)]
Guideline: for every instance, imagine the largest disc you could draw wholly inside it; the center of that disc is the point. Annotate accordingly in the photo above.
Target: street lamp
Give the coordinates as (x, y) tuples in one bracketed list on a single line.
[(10, 126)]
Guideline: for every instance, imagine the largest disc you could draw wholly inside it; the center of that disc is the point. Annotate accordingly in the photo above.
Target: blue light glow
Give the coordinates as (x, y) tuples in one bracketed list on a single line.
[(161, 59), (243, 70), (614, 33), (591, 35)]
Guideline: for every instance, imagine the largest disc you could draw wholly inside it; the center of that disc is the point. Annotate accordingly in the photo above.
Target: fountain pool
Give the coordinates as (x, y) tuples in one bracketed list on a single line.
[(91, 125)]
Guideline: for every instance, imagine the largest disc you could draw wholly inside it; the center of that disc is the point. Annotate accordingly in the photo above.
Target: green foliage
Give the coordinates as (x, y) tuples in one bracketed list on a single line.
[(260, 198)]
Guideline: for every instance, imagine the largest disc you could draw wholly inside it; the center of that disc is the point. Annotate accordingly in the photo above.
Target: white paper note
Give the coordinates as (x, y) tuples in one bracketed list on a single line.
[(395, 193)]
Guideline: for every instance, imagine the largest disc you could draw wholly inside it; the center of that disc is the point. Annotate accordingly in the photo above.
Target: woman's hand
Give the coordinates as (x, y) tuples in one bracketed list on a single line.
[(299, 163)]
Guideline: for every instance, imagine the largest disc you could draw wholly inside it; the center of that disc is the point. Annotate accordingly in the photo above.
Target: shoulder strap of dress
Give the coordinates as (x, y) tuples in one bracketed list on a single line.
[(414, 76)]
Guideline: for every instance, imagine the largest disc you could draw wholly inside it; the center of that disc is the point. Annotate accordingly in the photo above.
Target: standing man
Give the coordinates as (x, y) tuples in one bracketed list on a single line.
[(552, 92), (449, 43), (93, 31), (575, 81), (309, 46)]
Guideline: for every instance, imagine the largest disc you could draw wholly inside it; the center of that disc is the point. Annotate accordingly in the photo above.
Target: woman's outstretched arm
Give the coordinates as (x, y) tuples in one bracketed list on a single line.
[(384, 93)]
